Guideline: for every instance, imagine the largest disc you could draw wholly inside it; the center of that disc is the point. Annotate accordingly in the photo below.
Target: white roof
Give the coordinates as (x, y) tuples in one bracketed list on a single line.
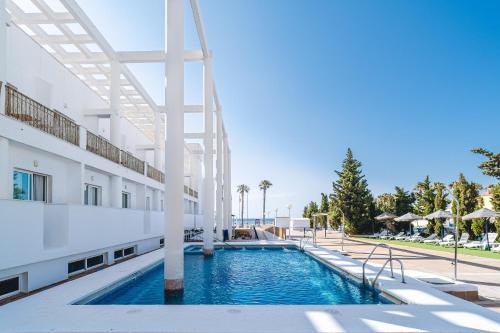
[(63, 29)]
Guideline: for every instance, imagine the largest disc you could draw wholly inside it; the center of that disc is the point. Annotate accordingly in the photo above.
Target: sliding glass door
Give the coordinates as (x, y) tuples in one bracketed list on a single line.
[(29, 186)]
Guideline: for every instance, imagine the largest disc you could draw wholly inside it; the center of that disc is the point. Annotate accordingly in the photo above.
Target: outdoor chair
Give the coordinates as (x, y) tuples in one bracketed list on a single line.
[(461, 242), (398, 235), (483, 242), (431, 239), (450, 238)]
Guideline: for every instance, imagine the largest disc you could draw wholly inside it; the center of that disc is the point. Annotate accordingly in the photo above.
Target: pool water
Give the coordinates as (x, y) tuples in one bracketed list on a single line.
[(246, 276)]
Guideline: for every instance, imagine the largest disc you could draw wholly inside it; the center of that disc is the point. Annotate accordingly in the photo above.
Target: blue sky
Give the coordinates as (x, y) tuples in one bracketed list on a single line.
[(410, 86)]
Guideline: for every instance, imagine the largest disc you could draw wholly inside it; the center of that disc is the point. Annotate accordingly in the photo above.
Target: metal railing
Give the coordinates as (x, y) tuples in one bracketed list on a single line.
[(29, 111), (102, 147), (389, 260), (130, 161), (155, 174)]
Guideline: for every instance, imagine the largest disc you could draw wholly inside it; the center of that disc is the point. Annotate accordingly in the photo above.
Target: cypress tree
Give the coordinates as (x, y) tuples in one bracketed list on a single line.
[(467, 194), (352, 196), (323, 208)]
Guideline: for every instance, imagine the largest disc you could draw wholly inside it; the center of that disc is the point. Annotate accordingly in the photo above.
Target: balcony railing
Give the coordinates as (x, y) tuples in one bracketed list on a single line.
[(102, 147), (155, 174), (130, 161), (29, 111)]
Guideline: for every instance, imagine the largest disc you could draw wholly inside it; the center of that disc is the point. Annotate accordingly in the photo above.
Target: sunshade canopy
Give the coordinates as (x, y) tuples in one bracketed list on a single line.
[(439, 214), (408, 217), (385, 216), (481, 214)]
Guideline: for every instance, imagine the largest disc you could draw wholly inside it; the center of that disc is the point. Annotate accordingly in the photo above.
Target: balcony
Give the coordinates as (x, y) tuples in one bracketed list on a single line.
[(102, 147), (23, 108), (130, 161), (155, 174), (27, 110)]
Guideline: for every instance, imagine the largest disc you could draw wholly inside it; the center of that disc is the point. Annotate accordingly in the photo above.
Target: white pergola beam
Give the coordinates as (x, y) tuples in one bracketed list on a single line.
[(187, 109), (155, 56)]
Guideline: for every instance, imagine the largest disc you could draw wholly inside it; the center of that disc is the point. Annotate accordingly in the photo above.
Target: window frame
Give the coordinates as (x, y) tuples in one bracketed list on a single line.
[(32, 175), (98, 192), (86, 266), (19, 284), (128, 200)]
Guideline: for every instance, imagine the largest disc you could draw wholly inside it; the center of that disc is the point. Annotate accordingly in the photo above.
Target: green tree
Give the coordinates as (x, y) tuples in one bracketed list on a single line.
[(424, 197), (490, 167), (242, 189), (440, 202), (403, 203), (386, 202), (495, 202), (312, 208), (264, 186), (324, 207), (467, 194), (351, 195)]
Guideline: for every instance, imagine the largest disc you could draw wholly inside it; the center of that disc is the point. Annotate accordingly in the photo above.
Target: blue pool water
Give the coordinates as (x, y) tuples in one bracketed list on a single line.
[(246, 276)]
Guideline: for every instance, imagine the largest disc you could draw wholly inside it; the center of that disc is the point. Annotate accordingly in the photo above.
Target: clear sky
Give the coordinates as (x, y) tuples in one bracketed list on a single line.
[(410, 86)]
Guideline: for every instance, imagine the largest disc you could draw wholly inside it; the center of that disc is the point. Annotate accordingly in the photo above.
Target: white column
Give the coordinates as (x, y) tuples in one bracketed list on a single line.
[(6, 174), (157, 157), (115, 118), (174, 146), (230, 192), (3, 54), (208, 139), (116, 191), (219, 195), (227, 188)]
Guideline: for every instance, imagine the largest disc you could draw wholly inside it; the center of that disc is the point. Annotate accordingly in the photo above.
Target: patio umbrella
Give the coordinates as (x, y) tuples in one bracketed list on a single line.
[(408, 217), (439, 214), (385, 217), (483, 213)]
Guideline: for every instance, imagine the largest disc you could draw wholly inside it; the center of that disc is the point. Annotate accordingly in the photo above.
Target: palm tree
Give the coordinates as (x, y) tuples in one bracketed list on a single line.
[(242, 189), (263, 186)]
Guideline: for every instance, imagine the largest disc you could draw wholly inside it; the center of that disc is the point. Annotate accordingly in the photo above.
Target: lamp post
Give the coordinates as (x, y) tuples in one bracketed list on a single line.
[(342, 226), (289, 210), (457, 205)]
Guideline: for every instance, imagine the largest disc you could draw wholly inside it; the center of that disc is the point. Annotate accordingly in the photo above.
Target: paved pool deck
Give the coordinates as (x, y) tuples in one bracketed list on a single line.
[(480, 271), (427, 309)]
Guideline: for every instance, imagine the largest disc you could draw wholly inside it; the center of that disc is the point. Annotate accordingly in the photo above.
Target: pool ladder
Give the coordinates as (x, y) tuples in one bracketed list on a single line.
[(304, 241), (389, 260)]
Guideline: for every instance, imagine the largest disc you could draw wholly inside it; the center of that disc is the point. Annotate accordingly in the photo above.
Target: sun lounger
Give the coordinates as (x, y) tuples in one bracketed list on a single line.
[(401, 237), (398, 235), (414, 238), (448, 239), (431, 239), (461, 242), (483, 242)]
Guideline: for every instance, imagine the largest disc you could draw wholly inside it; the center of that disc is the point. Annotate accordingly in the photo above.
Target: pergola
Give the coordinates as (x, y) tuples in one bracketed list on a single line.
[(63, 29)]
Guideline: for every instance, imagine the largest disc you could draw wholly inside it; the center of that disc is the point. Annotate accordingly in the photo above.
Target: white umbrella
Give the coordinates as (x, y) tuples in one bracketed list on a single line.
[(439, 214), (483, 213), (408, 217), (385, 216)]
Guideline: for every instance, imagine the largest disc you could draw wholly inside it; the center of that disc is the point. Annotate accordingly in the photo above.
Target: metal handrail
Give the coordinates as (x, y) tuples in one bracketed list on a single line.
[(370, 255), (305, 239), (385, 264)]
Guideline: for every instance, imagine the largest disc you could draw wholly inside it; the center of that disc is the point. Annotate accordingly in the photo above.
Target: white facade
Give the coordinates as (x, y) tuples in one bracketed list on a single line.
[(40, 237)]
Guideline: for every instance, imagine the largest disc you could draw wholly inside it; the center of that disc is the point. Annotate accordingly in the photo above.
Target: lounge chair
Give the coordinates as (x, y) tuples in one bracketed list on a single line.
[(401, 237), (415, 238), (495, 247), (431, 239), (483, 242), (396, 236), (385, 235), (448, 239), (461, 242)]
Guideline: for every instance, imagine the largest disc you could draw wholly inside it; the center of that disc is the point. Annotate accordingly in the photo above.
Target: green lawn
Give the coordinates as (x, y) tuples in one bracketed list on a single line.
[(477, 253)]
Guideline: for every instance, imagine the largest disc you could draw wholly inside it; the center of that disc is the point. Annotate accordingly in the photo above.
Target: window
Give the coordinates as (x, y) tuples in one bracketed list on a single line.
[(95, 261), (29, 186), (9, 287), (123, 253), (82, 265), (162, 242), (148, 203), (76, 266), (126, 200), (161, 205), (128, 251), (118, 254), (92, 195)]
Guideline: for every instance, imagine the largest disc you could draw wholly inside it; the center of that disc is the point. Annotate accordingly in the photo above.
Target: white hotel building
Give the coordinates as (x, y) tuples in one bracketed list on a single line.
[(82, 149)]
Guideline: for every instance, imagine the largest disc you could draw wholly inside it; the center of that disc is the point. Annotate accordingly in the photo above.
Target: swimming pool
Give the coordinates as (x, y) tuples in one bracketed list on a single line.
[(259, 275)]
